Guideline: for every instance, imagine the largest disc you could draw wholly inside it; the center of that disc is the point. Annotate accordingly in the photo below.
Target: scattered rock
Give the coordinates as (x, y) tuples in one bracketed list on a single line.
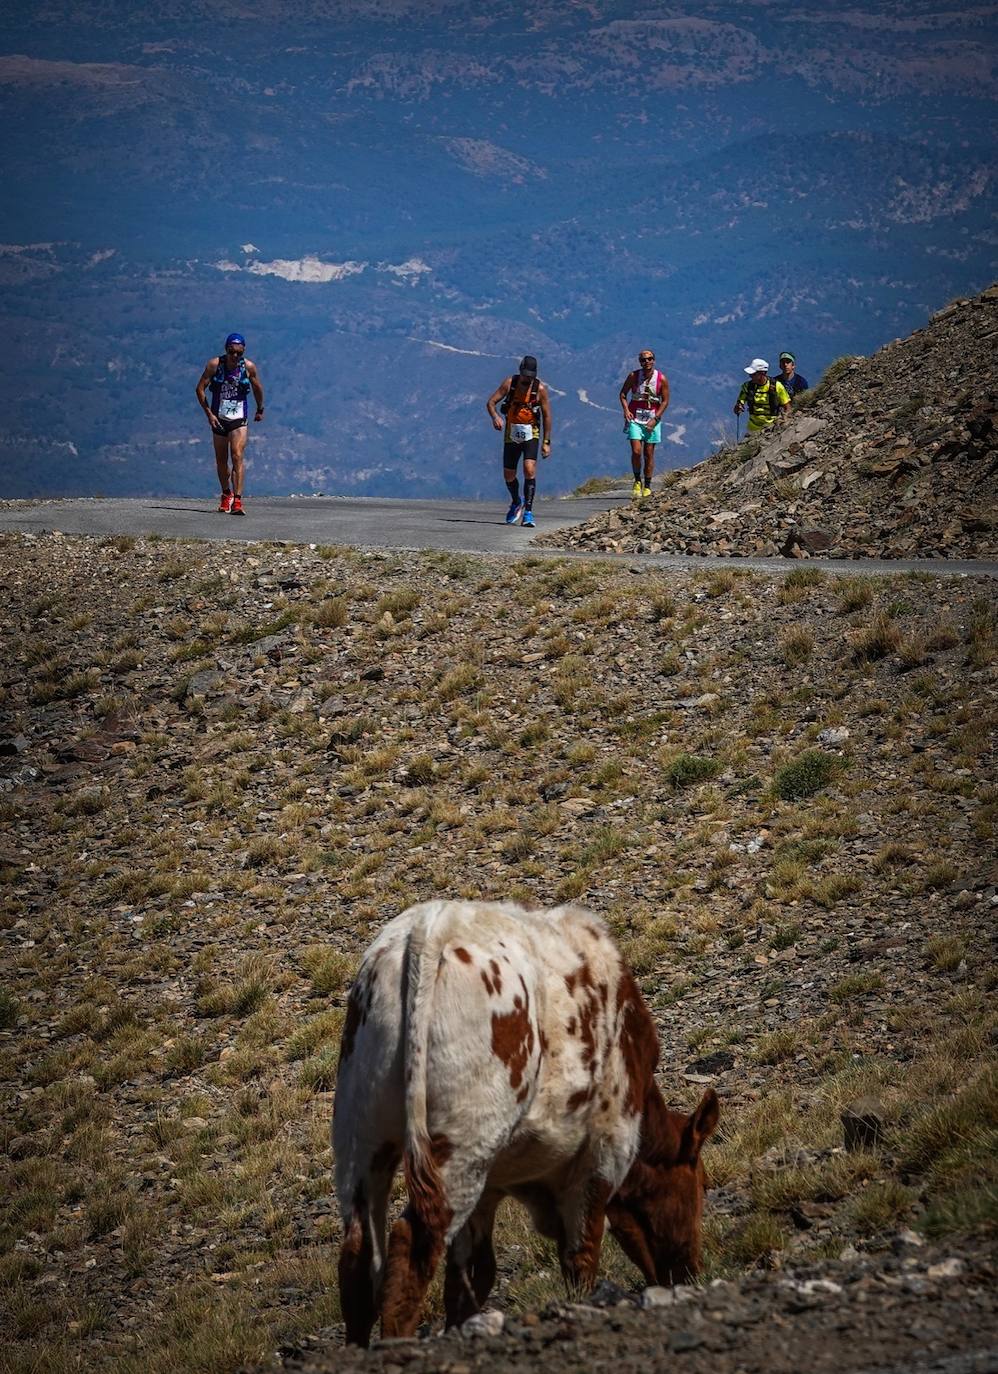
[(835, 734), (863, 1123), (489, 1323), (718, 1062), (950, 1268)]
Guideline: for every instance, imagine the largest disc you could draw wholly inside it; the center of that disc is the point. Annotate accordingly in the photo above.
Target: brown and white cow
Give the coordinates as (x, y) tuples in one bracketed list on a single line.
[(495, 1051)]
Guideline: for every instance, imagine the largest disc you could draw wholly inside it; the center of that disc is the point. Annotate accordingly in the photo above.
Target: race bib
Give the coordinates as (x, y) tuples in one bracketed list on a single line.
[(521, 434), (644, 417), (230, 409)]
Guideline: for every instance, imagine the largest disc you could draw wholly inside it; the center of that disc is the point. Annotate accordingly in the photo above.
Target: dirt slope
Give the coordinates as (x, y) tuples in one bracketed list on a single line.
[(223, 768), (893, 456)]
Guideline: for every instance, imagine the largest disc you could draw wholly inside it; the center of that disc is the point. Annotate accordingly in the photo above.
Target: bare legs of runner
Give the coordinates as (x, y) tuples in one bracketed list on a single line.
[(229, 451), (640, 450)]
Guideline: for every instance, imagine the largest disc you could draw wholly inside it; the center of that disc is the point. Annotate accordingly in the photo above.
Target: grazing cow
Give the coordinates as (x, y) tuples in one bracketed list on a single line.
[(500, 1052)]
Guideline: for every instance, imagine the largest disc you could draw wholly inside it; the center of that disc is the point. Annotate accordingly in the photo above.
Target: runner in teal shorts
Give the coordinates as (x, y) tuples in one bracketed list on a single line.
[(644, 398)]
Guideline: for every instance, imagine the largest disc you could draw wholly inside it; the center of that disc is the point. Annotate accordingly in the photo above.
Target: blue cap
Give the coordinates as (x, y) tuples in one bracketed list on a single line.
[(235, 339)]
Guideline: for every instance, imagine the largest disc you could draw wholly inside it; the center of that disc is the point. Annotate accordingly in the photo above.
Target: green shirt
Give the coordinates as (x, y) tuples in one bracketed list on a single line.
[(757, 400)]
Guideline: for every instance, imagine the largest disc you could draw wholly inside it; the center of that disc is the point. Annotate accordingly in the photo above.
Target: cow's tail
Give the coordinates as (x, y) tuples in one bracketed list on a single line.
[(422, 1175)]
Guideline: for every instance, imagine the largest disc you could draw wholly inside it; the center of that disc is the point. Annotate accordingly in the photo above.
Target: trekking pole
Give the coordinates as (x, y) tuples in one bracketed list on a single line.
[(738, 428)]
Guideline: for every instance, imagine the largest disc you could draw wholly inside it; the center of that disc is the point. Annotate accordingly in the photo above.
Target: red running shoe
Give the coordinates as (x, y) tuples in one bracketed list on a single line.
[(237, 506), (225, 504)]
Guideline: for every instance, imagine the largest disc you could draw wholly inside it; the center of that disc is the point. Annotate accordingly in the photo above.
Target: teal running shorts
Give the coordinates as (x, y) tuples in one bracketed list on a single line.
[(647, 436)]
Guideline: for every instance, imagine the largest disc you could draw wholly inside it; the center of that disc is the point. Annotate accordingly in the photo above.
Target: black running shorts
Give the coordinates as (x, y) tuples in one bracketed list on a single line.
[(512, 453), (229, 426)]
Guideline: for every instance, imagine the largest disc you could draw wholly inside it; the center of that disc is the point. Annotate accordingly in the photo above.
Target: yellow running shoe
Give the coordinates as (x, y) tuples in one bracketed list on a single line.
[(646, 491), (636, 490)]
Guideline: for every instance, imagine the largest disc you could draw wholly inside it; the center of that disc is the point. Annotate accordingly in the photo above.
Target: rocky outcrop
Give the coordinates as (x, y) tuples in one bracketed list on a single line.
[(893, 456)]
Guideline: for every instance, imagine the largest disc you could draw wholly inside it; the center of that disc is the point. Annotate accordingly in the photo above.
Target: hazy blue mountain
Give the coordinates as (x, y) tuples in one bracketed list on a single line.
[(394, 201)]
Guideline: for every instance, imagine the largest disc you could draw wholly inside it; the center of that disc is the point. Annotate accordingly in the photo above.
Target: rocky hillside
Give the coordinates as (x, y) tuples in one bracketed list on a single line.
[(223, 768), (893, 456)]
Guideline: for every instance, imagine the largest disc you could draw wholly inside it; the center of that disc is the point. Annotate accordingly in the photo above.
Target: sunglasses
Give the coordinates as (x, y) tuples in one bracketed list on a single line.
[(646, 358)]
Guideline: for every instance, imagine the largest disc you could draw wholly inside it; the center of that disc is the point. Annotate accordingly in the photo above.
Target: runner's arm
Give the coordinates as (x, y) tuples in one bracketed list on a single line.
[(206, 376), (257, 386), (624, 391), (663, 404), (542, 396), (210, 368), (497, 395)]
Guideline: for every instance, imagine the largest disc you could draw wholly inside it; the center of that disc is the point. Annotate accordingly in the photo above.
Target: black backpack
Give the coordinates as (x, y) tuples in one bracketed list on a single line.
[(530, 399), (774, 402)]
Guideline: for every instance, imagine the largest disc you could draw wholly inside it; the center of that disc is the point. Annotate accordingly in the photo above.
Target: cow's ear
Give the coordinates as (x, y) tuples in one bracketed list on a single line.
[(700, 1127)]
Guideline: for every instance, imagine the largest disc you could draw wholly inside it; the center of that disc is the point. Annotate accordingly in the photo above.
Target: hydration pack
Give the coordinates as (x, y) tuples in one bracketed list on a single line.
[(243, 380), (519, 404), (750, 395)]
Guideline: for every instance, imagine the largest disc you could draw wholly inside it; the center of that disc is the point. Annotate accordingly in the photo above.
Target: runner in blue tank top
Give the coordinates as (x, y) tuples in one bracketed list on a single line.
[(231, 377)]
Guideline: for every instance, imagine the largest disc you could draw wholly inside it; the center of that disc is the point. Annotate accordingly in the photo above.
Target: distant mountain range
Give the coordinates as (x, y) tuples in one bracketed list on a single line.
[(394, 201)]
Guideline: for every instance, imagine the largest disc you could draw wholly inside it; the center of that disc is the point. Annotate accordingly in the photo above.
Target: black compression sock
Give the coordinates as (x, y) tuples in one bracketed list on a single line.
[(529, 487), (513, 488)]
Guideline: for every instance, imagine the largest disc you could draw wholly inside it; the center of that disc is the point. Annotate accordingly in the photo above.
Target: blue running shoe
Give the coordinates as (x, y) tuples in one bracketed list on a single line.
[(513, 514), (528, 519)]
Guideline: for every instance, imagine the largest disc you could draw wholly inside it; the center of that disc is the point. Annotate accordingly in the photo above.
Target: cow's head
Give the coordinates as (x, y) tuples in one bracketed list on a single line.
[(656, 1216)]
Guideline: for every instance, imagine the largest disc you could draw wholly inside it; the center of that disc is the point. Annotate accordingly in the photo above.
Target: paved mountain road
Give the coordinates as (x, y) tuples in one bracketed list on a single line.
[(384, 523)]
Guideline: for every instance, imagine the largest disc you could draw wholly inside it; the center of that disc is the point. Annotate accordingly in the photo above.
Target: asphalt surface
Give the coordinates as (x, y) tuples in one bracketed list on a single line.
[(382, 523)]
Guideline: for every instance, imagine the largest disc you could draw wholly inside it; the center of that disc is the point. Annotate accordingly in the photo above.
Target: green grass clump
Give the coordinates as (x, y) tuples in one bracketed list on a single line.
[(398, 603), (331, 613), (878, 640), (596, 486), (9, 1010), (244, 994), (329, 971), (797, 646), (317, 1033), (687, 769), (805, 775)]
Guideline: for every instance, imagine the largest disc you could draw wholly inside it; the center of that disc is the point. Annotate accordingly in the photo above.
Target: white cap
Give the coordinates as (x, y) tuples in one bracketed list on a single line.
[(757, 365)]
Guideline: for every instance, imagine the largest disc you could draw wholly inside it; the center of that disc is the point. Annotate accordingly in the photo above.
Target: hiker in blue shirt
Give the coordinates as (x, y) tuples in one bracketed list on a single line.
[(793, 382)]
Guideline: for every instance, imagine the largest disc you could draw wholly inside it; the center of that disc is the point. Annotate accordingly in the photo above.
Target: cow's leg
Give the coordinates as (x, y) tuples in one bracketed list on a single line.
[(356, 1276), (362, 1255), (471, 1263), (414, 1249), (583, 1217)]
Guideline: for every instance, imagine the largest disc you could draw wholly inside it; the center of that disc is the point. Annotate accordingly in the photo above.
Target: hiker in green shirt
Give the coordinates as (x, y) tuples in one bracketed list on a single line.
[(762, 398)]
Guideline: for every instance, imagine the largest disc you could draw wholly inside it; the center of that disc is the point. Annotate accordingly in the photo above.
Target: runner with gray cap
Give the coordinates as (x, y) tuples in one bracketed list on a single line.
[(523, 400), (764, 399)]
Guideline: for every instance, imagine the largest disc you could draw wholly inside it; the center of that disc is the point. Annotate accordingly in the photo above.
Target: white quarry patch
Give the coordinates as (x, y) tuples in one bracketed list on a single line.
[(676, 437), (308, 269), (249, 248), (411, 270), (101, 255), (225, 266), (583, 395), (449, 348)]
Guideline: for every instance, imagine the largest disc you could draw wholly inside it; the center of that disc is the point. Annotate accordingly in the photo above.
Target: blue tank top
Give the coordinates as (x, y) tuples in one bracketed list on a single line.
[(229, 389)]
